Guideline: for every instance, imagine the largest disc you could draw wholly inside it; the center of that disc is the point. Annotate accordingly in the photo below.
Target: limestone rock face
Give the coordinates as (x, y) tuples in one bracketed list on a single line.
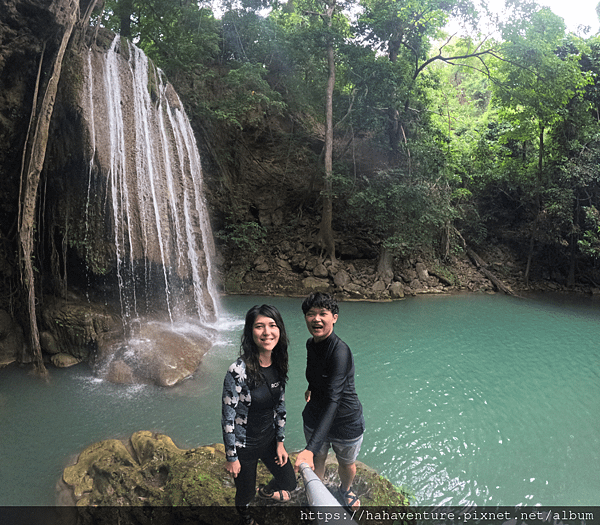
[(159, 353), (75, 326)]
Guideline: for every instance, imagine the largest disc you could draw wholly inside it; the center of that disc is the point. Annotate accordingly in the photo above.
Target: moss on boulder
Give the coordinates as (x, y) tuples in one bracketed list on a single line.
[(151, 480)]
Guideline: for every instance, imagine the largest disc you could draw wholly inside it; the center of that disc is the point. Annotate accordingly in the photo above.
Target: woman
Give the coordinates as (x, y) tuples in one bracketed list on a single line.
[(253, 410)]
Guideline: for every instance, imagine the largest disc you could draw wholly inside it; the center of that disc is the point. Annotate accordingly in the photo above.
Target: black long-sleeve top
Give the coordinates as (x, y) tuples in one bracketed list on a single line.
[(334, 409)]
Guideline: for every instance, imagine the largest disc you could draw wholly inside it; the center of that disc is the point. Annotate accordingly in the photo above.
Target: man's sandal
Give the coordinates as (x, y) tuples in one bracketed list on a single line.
[(351, 501), (279, 496)]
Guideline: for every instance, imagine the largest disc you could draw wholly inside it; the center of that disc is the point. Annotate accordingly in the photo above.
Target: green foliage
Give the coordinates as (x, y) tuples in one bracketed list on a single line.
[(535, 84), (590, 243), (245, 236), (408, 213), (249, 98), (482, 134)]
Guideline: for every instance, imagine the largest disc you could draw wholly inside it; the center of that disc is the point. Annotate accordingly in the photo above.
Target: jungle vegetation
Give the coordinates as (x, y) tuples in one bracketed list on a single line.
[(483, 130)]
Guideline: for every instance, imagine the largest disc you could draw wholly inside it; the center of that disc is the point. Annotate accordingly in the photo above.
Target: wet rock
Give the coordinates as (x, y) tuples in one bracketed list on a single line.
[(158, 354), (48, 343), (75, 326)]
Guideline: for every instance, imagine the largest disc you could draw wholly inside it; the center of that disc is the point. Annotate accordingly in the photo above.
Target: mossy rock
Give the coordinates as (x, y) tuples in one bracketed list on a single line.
[(151, 480)]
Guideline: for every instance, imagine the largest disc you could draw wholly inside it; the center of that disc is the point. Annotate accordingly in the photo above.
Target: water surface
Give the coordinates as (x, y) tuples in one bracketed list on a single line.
[(468, 399)]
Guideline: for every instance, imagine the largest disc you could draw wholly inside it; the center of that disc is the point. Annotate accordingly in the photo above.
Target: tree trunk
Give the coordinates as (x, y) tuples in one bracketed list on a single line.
[(482, 267), (33, 162), (538, 205), (326, 229), (125, 11), (385, 266)]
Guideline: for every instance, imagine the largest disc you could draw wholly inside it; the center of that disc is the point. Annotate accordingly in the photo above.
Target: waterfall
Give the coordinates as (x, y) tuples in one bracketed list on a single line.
[(143, 145)]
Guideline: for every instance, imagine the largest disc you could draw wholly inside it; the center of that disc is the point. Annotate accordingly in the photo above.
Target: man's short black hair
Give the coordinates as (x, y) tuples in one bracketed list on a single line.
[(320, 300)]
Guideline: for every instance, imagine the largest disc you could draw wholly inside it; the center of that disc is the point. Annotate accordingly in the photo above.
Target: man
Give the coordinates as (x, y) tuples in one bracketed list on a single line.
[(333, 414)]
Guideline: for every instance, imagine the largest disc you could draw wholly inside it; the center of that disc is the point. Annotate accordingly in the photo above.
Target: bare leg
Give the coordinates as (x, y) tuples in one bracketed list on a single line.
[(347, 474), (319, 462)]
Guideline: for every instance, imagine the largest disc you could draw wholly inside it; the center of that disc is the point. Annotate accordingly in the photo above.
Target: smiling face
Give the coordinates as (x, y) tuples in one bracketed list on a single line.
[(265, 333), (319, 322)]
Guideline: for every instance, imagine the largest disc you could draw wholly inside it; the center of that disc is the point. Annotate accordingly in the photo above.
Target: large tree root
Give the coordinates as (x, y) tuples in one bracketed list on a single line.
[(33, 163)]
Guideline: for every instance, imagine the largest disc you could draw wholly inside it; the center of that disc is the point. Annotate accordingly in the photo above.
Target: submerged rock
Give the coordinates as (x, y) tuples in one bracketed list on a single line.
[(151, 480)]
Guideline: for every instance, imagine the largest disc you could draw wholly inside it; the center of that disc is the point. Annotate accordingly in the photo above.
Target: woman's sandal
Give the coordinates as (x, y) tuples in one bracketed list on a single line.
[(279, 496), (351, 501)]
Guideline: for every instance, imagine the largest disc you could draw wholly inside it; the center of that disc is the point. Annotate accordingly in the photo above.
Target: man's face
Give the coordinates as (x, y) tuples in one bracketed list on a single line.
[(319, 322)]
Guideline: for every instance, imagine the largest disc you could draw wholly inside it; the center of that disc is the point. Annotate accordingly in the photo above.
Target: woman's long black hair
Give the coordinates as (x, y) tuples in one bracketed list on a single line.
[(249, 350)]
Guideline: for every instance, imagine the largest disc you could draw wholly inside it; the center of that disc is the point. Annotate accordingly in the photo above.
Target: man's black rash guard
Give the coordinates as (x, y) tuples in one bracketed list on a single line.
[(334, 409)]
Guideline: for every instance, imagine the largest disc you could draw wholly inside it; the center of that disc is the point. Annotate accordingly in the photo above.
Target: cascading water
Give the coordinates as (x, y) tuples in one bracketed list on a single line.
[(143, 148)]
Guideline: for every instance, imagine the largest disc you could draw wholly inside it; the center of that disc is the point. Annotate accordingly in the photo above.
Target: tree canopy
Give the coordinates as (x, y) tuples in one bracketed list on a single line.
[(470, 132)]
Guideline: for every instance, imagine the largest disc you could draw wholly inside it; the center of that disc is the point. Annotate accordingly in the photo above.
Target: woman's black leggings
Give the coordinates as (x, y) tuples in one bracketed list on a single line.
[(245, 482)]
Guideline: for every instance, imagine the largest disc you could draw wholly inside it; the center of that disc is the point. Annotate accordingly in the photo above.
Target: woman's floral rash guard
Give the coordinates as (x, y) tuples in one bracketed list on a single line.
[(237, 398)]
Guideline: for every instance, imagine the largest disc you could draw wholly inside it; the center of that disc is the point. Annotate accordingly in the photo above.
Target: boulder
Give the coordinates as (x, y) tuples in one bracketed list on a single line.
[(261, 265), (422, 272), (341, 278), (313, 284), (320, 271), (48, 343), (355, 291), (74, 326), (378, 287), (64, 360), (283, 264), (158, 354), (151, 480), (396, 290), (311, 263)]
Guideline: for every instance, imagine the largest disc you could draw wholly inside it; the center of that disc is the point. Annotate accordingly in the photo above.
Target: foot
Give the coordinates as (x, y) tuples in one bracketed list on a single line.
[(275, 495), (351, 500)]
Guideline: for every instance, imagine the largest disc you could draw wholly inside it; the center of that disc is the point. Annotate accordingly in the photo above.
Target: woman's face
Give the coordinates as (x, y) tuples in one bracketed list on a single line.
[(265, 333)]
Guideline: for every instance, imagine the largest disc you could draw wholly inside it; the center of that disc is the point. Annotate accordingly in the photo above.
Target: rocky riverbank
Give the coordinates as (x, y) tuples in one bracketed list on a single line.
[(148, 479), (292, 266), (77, 329)]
